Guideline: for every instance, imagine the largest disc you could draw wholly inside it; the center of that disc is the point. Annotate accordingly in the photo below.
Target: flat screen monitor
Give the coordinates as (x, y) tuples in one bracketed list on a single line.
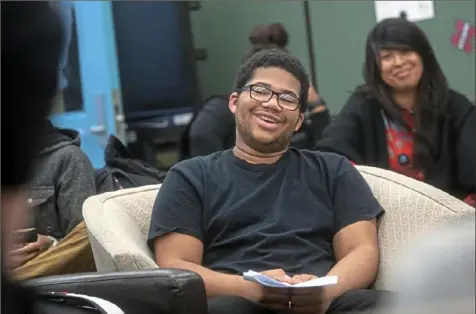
[(155, 55)]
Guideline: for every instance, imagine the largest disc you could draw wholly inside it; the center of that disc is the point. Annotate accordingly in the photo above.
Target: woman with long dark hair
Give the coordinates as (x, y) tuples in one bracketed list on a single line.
[(405, 117)]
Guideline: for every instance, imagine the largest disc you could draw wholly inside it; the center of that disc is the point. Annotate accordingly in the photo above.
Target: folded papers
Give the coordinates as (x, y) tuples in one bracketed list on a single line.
[(270, 282)]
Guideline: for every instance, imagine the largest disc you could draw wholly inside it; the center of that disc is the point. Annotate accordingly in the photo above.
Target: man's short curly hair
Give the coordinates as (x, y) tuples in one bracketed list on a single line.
[(278, 58)]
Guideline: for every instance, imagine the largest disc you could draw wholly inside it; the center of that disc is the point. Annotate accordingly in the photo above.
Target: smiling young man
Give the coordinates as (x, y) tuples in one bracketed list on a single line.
[(292, 214)]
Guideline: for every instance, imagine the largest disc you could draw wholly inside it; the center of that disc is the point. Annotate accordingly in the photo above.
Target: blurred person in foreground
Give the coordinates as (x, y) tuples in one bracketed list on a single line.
[(31, 40), (442, 278), (55, 176)]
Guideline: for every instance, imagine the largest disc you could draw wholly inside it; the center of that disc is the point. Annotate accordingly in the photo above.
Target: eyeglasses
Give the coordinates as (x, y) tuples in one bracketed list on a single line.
[(264, 94)]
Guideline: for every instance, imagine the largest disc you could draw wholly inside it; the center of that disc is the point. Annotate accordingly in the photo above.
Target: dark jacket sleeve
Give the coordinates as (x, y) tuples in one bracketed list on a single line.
[(311, 130), (74, 185), (466, 147), (319, 122), (344, 134), (211, 128)]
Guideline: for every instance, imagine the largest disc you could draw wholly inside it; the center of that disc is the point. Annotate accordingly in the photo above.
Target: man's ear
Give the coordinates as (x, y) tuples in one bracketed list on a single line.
[(299, 122), (232, 102)]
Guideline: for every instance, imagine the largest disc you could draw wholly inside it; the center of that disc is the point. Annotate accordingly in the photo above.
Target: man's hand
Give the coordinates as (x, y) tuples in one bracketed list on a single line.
[(277, 274), (21, 256), (302, 278), (28, 252), (276, 299), (310, 300)]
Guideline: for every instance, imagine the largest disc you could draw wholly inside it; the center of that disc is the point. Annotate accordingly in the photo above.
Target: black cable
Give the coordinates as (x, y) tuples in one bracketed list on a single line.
[(310, 45)]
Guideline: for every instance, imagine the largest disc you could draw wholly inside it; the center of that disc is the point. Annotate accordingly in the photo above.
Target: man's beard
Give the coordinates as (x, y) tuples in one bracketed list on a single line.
[(277, 145)]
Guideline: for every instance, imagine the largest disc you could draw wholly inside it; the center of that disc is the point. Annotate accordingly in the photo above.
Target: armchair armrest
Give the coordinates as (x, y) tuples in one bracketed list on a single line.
[(164, 291)]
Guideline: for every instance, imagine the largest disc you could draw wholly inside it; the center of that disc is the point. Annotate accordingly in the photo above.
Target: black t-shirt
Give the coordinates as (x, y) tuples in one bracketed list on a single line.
[(264, 216)]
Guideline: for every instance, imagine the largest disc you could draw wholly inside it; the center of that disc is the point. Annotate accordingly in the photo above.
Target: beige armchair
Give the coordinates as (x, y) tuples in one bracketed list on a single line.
[(412, 208), (118, 226), (118, 222)]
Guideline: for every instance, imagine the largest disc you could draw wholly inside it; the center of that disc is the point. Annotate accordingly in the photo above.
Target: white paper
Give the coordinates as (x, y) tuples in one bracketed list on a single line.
[(108, 307), (270, 282), (415, 11)]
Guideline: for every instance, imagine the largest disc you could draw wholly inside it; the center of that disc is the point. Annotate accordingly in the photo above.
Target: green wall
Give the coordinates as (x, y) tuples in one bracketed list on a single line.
[(339, 32), (222, 27), (340, 29)]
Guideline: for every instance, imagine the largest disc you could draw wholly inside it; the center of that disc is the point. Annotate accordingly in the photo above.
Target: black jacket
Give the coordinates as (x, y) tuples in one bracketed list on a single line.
[(123, 170), (212, 129), (62, 180), (358, 133)]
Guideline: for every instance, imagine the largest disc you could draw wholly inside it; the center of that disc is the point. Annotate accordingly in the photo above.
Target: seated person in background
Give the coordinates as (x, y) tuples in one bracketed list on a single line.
[(291, 214), (406, 118), (213, 128), (63, 178)]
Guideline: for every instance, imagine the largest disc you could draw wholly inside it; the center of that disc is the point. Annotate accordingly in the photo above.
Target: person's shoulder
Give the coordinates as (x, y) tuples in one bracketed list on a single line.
[(459, 98), (195, 171), (459, 102), (66, 156), (324, 160), (71, 151), (359, 94), (318, 155), (216, 102), (459, 106), (199, 163), (359, 101), (214, 107), (71, 158)]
